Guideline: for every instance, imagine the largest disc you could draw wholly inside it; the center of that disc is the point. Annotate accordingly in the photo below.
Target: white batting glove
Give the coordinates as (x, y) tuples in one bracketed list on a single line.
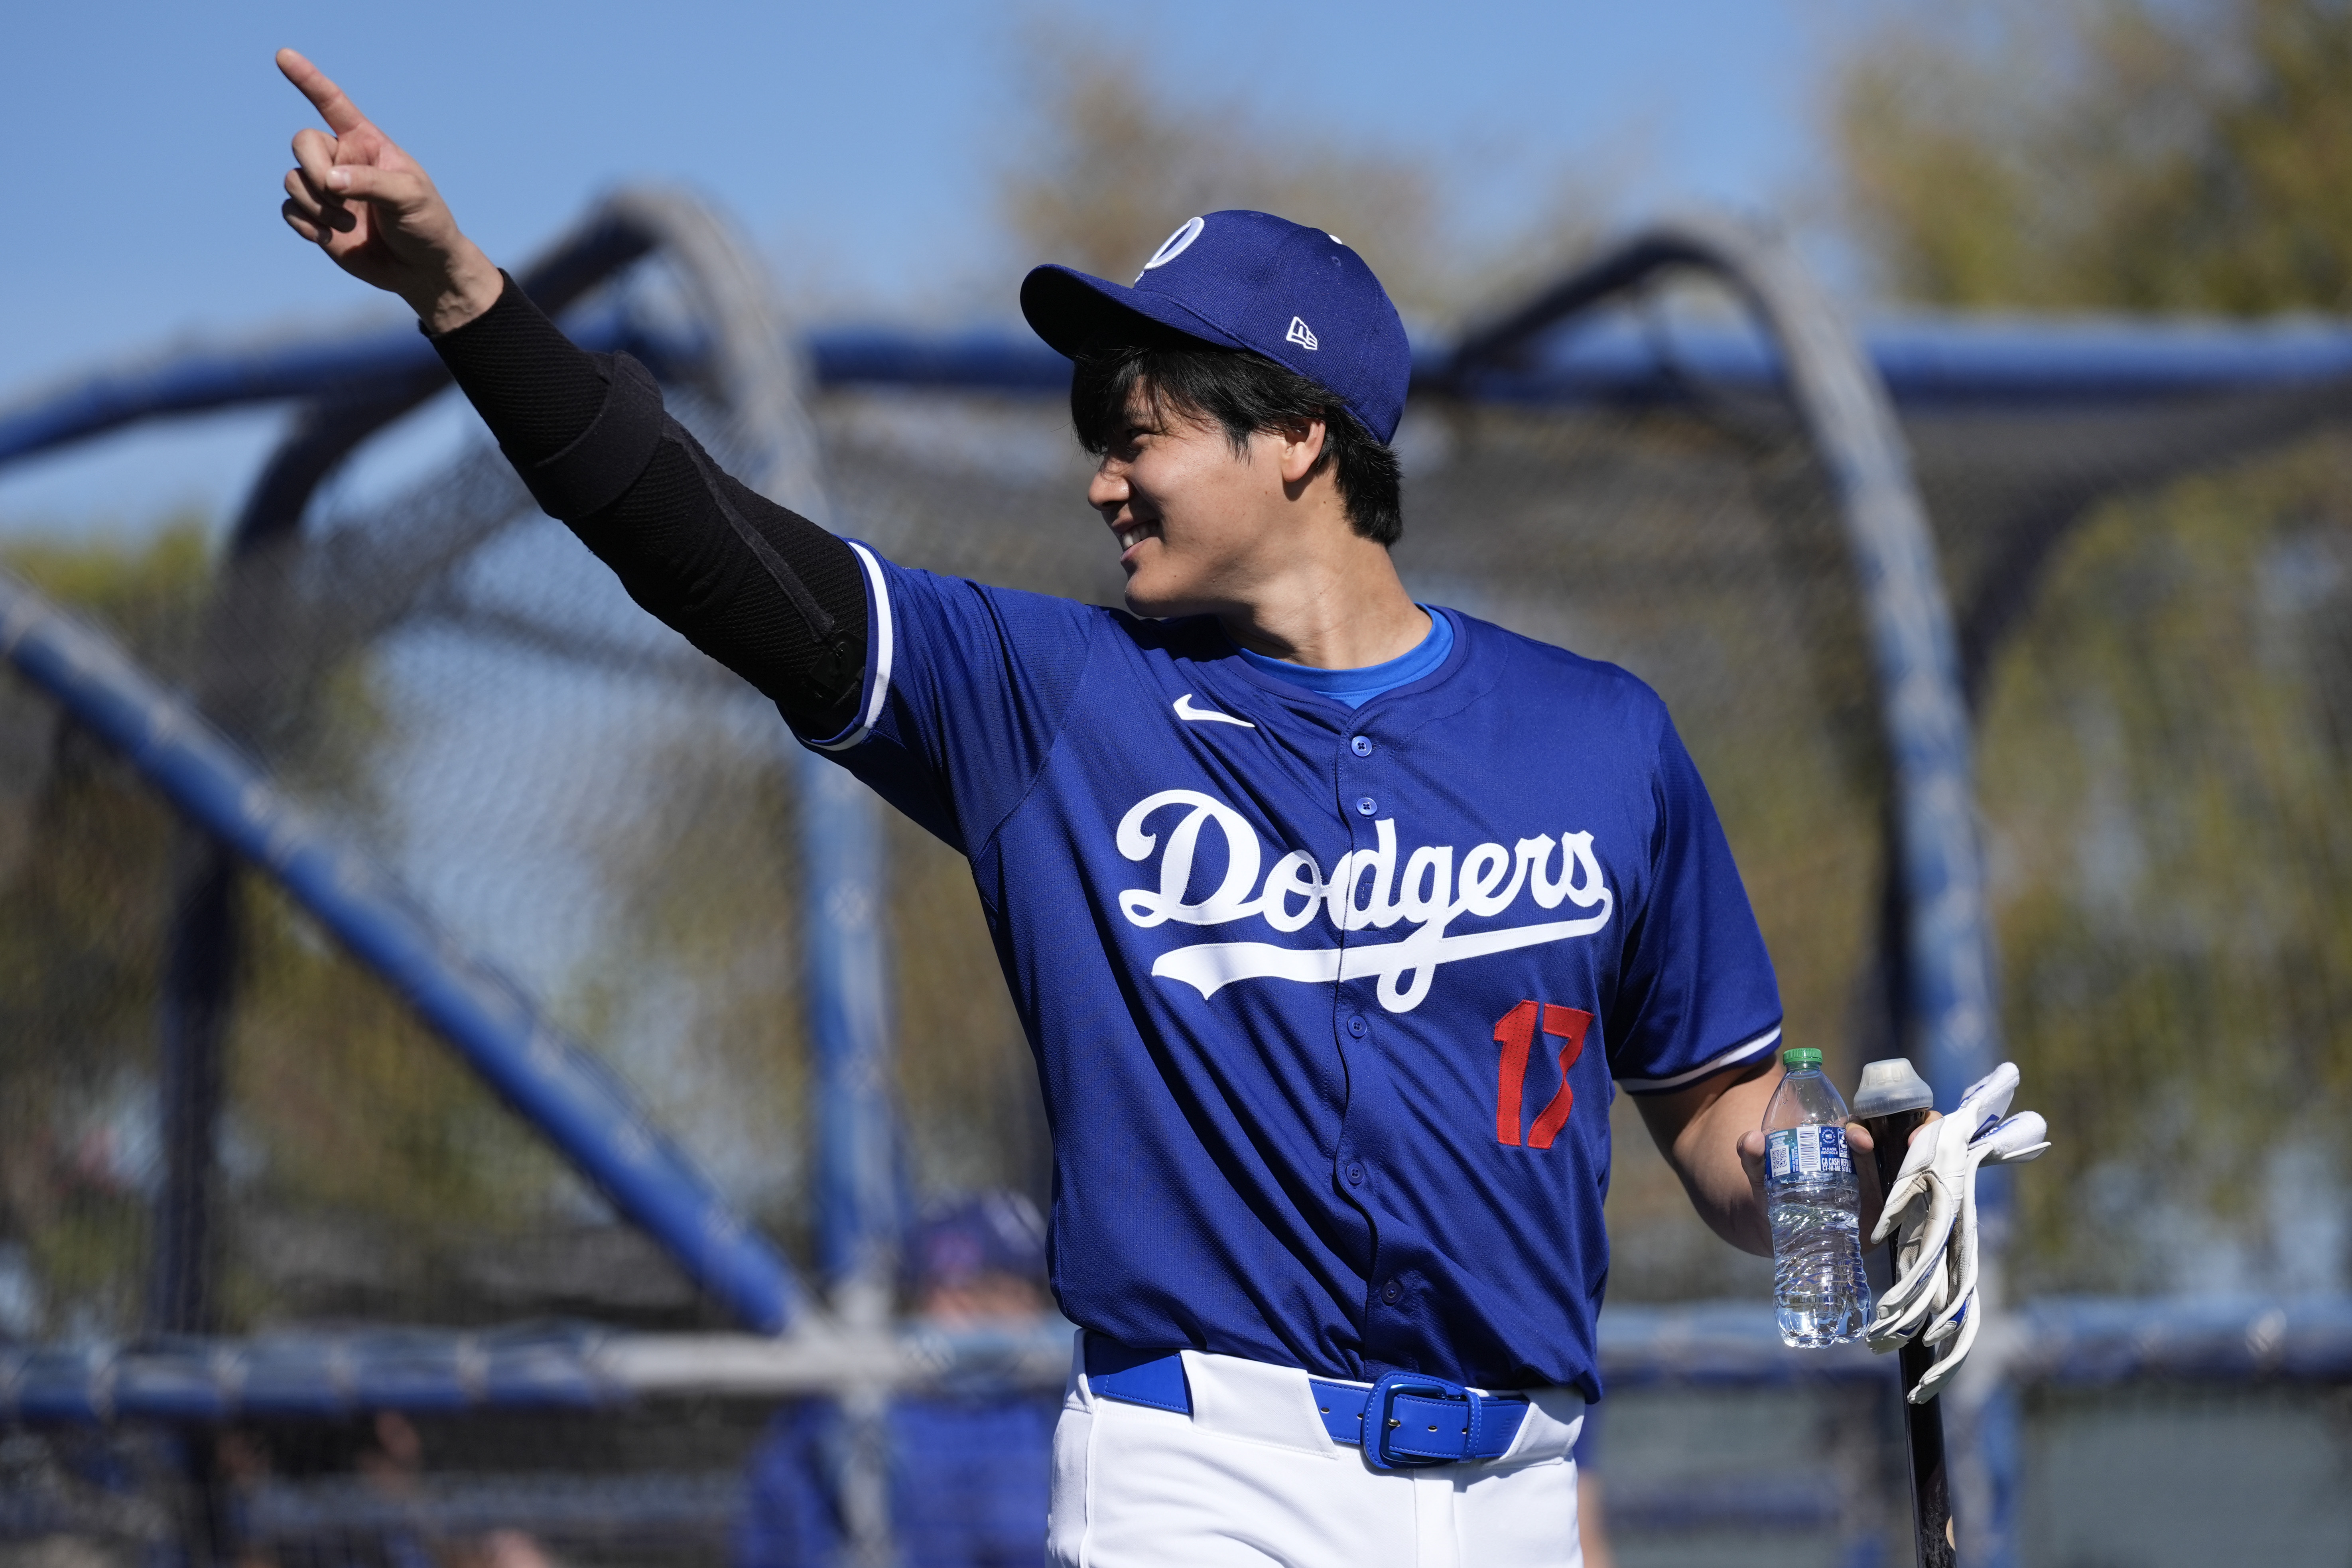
[(1934, 1203), (1926, 1201), (2012, 1142)]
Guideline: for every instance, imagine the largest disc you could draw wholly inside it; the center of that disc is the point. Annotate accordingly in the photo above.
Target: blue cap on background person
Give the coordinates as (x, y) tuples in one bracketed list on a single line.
[(962, 1239), (1247, 280)]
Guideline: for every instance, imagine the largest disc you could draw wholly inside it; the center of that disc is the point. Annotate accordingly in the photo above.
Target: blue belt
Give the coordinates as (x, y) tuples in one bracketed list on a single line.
[(1414, 1420)]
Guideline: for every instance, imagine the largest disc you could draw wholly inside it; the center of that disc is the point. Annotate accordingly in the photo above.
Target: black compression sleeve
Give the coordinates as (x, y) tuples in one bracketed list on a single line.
[(758, 588)]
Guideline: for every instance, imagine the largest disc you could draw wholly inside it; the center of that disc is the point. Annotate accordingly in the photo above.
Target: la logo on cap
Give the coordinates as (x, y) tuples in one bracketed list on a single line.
[(1302, 334), (1174, 245)]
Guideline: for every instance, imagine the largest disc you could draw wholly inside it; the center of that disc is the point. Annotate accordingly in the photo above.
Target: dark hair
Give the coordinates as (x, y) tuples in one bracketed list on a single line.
[(1244, 393)]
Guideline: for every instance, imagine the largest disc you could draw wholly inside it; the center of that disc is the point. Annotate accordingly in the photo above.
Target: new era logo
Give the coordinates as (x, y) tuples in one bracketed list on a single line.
[(1301, 334)]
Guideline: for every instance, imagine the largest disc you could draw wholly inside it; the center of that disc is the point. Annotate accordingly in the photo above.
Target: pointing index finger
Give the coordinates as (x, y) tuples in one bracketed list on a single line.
[(340, 113)]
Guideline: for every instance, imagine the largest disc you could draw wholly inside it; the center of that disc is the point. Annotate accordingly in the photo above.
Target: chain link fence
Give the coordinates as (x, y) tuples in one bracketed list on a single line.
[(2149, 563)]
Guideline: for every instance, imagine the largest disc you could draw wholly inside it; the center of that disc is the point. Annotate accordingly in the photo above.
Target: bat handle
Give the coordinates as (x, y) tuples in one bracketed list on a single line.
[(1923, 1425)]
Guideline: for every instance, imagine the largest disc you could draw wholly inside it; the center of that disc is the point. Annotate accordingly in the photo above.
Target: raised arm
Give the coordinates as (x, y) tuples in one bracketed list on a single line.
[(757, 587)]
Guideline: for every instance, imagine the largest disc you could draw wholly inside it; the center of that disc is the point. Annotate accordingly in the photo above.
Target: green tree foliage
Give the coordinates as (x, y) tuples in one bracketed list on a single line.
[(1116, 162), (704, 969), (2122, 155), (361, 1155), (370, 1173), (2164, 755), (83, 847), (2165, 768)]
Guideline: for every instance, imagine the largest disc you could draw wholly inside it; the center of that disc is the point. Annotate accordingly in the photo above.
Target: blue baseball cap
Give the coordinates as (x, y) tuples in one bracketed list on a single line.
[(1247, 280), (962, 1239)]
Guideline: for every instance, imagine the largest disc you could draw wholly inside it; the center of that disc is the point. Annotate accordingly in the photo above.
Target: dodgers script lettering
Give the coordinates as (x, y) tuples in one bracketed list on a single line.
[(1364, 890)]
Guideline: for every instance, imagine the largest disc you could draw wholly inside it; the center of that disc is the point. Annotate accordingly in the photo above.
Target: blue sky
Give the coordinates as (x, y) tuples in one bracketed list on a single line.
[(141, 145)]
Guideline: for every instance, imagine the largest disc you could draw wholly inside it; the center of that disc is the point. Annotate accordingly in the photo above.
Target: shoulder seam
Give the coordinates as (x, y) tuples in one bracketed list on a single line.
[(1714, 1064), (1078, 687)]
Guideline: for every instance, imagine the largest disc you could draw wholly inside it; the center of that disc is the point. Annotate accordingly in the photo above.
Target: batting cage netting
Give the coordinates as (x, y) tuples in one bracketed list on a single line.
[(286, 1279)]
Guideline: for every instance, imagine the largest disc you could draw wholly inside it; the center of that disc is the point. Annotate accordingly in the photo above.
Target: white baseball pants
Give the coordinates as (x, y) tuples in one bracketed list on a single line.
[(1252, 1478)]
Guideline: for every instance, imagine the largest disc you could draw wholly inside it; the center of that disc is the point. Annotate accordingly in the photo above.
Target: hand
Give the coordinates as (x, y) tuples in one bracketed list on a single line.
[(367, 204), (1858, 1143)]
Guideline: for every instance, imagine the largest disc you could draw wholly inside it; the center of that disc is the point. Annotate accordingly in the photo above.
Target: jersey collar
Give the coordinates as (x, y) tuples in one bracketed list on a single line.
[(1305, 699)]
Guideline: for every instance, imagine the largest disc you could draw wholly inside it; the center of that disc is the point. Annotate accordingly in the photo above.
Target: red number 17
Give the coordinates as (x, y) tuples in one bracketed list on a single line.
[(1515, 1031)]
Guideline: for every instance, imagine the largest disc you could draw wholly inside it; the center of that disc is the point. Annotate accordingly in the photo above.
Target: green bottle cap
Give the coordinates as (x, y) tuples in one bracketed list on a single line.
[(1802, 1057)]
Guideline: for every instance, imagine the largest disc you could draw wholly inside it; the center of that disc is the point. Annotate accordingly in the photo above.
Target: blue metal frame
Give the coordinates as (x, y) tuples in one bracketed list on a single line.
[(556, 1084), (1943, 953), (354, 386), (2067, 1342), (1843, 385), (744, 356), (1849, 415), (845, 904), (1925, 362)]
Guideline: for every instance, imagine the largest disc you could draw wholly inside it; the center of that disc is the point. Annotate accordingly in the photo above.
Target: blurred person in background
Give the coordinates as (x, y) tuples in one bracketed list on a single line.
[(971, 1460)]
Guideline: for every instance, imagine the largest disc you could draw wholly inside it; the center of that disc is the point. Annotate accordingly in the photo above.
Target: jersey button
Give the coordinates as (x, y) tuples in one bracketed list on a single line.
[(1366, 805), (1356, 1026), (1391, 1292), (1361, 745), (1355, 1174)]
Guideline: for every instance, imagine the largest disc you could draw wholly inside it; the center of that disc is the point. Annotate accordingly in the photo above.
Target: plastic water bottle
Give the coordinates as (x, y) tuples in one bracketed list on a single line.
[(1815, 1206)]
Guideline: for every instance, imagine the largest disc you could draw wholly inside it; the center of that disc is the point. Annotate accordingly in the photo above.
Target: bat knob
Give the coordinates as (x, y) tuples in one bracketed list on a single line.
[(1890, 1087)]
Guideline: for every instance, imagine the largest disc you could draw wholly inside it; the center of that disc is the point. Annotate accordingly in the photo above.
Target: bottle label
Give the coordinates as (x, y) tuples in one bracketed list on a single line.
[(1803, 1152)]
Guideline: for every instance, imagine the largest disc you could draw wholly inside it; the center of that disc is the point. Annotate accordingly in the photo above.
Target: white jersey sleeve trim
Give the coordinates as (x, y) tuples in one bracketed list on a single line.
[(877, 690), (1737, 1053)]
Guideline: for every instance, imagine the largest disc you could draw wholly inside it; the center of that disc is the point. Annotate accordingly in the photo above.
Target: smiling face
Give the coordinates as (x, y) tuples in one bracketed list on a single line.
[(1201, 529)]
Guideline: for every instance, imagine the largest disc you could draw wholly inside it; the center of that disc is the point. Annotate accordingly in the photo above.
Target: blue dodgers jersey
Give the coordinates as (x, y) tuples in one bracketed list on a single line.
[(1326, 1002)]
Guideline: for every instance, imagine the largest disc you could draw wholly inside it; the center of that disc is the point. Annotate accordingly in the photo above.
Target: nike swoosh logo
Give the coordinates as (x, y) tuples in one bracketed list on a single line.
[(1184, 710)]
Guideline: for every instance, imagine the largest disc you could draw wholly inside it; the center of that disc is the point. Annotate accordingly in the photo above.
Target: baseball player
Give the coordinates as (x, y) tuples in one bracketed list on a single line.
[(1331, 917)]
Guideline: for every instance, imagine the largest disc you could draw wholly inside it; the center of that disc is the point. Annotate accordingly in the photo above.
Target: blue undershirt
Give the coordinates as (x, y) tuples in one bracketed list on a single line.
[(1356, 687)]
